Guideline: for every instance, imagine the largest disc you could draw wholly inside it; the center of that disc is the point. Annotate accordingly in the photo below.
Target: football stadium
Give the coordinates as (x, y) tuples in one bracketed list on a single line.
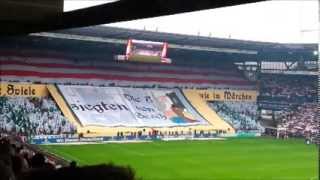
[(105, 102)]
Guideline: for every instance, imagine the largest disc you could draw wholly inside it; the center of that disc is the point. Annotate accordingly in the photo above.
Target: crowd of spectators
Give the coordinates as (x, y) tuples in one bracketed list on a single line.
[(33, 116), (241, 115), (301, 121), (19, 162), (288, 88), (293, 99)]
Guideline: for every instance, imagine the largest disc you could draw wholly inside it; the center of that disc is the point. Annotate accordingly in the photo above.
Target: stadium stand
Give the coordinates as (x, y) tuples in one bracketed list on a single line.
[(293, 98), (33, 116), (106, 73), (37, 61), (288, 88), (300, 121), (166, 111), (241, 115), (25, 116)]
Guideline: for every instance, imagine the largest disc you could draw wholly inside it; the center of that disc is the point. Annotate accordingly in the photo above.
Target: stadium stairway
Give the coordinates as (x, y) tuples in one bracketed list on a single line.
[(210, 115)]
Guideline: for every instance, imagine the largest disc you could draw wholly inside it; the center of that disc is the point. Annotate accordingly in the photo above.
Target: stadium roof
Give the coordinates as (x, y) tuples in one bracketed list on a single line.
[(122, 33), (103, 43), (45, 15), (240, 50), (29, 16)]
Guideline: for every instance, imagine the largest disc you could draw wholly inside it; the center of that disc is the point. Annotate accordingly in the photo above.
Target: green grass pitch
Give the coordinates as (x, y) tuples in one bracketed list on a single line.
[(232, 159)]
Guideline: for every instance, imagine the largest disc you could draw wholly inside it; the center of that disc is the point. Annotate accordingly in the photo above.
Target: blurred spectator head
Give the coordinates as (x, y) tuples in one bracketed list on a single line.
[(6, 172), (38, 160)]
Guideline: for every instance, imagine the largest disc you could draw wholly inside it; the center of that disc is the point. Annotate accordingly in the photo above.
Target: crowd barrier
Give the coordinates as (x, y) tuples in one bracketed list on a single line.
[(47, 140)]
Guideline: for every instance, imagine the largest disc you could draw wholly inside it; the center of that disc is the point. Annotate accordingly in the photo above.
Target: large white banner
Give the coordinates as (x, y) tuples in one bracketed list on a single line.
[(132, 107)]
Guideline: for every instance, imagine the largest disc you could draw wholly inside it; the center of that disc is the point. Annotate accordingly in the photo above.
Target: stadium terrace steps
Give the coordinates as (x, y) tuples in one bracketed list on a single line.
[(128, 67), (210, 115), (62, 71), (53, 61)]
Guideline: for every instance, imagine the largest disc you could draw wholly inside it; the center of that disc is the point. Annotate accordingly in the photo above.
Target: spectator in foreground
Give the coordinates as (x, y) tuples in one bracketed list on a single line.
[(6, 172), (97, 172)]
